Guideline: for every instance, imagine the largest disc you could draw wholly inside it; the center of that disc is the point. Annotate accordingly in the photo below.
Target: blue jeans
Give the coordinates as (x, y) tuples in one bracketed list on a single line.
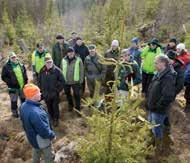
[(157, 119)]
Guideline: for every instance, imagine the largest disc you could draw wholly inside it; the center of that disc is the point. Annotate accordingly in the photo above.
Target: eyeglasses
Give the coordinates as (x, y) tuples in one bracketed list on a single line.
[(13, 57), (48, 62)]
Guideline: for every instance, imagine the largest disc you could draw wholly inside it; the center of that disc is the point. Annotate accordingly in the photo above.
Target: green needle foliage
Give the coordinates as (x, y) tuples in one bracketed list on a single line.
[(119, 134)]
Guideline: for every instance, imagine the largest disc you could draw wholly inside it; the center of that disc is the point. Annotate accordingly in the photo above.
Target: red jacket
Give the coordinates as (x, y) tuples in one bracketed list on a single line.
[(184, 58)]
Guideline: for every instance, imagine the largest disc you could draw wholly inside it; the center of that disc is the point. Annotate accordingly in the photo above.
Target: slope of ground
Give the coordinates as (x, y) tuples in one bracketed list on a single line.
[(14, 147)]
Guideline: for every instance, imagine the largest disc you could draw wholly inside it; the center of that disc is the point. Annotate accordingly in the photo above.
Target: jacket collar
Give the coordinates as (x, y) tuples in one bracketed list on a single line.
[(161, 74), (33, 102)]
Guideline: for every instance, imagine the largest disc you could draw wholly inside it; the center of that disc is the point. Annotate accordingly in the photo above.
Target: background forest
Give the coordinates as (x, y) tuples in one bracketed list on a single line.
[(98, 21)]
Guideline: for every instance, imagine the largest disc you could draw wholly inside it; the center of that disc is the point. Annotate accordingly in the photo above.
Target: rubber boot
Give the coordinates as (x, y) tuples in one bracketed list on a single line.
[(14, 109), (55, 122)]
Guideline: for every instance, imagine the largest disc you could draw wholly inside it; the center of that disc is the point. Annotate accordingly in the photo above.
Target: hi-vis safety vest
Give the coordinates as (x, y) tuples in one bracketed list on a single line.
[(76, 69), (37, 61)]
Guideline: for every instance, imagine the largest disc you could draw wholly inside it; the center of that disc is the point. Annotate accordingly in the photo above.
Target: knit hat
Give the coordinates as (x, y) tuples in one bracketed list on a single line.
[(171, 54), (48, 57), (59, 37), (115, 43), (70, 49), (181, 46), (92, 46), (30, 90), (173, 39), (12, 54), (135, 40)]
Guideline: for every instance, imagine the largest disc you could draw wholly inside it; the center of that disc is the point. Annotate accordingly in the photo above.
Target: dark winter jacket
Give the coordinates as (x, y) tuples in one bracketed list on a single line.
[(187, 76), (110, 69), (36, 124), (136, 54), (129, 73), (161, 91), (58, 53), (94, 69), (180, 76), (167, 48), (9, 77), (82, 51), (51, 82)]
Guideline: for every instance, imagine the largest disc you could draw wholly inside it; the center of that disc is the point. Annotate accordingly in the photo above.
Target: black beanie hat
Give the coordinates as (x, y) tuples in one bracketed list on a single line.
[(70, 49), (59, 37)]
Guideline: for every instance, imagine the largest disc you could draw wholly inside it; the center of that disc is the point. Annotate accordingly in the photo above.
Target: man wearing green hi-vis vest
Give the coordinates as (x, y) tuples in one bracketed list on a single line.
[(15, 77), (73, 72), (38, 60)]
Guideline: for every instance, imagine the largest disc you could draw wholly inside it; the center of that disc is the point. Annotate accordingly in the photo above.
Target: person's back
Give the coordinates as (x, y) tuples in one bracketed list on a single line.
[(35, 122), (30, 113)]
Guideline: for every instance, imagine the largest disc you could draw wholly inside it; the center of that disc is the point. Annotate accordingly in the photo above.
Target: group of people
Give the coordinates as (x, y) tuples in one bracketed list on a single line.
[(163, 73)]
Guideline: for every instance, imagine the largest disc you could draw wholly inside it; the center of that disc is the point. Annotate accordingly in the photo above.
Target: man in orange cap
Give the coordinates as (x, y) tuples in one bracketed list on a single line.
[(36, 124)]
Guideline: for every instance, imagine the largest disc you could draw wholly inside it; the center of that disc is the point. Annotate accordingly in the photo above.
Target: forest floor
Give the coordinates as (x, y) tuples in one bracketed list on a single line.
[(14, 147)]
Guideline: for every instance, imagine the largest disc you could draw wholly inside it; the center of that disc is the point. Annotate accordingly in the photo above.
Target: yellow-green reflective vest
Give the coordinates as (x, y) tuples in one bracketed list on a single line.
[(76, 69), (37, 61)]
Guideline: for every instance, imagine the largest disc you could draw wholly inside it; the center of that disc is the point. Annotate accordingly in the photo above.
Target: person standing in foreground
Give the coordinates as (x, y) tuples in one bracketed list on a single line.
[(14, 75), (51, 83), (36, 125), (73, 72), (160, 95)]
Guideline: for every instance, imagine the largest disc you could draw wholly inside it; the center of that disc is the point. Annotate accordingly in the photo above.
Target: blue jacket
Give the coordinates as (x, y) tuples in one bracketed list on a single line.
[(187, 75), (136, 54), (35, 123)]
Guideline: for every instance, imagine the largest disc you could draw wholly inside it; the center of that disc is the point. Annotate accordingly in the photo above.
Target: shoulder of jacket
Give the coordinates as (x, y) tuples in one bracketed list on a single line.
[(57, 69)]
